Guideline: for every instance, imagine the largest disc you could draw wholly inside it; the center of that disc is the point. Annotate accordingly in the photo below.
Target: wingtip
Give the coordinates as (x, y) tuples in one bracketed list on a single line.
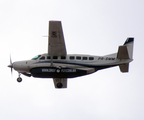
[(54, 21)]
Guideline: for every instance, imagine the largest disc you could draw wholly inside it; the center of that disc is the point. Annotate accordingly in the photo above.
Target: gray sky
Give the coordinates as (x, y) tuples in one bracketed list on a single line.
[(95, 27)]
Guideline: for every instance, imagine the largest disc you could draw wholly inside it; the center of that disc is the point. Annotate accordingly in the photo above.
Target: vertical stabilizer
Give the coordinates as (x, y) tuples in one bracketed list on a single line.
[(125, 52), (122, 52), (129, 44)]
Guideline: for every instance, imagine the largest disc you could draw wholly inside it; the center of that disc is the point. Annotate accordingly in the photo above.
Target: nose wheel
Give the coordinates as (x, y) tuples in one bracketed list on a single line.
[(19, 79)]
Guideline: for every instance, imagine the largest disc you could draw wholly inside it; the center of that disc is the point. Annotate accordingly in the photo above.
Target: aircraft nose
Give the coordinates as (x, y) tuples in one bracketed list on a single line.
[(20, 66), (17, 65)]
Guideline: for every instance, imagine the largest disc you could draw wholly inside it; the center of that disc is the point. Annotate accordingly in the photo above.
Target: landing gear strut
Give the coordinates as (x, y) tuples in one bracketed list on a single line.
[(19, 79)]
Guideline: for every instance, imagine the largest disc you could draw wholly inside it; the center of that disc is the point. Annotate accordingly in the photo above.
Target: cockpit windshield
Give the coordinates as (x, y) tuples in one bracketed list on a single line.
[(36, 57)]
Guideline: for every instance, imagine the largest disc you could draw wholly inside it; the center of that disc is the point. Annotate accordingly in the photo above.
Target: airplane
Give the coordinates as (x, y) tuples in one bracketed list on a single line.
[(60, 66)]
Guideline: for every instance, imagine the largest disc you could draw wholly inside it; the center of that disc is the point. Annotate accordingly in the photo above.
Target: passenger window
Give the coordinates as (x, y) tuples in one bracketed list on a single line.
[(55, 57), (78, 57), (84, 58), (72, 57), (42, 58), (63, 57), (48, 57), (91, 58)]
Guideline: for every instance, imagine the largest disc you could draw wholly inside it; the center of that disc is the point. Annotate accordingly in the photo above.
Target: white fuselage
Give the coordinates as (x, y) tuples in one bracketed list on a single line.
[(69, 66)]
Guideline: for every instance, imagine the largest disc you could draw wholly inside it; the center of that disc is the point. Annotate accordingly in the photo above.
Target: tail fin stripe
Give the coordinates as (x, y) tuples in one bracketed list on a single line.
[(129, 40)]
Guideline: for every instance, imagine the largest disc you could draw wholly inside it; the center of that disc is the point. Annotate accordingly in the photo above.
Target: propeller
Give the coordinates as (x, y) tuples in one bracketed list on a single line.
[(45, 36), (11, 65)]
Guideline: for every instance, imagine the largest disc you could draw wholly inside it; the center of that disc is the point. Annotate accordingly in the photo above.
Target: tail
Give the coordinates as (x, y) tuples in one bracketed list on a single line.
[(125, 52)]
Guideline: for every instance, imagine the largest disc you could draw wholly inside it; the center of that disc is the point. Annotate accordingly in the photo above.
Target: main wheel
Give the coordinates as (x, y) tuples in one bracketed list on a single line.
[(19, 79), (59, 85)]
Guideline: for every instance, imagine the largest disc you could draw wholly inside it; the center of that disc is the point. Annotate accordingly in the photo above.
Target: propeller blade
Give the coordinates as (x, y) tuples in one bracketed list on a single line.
[(11, 65), (11, 70), (45, 36), (10, 60)]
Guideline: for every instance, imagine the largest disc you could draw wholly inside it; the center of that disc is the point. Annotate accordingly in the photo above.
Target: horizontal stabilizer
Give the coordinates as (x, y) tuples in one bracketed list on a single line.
[(124, 67), (122, 52)]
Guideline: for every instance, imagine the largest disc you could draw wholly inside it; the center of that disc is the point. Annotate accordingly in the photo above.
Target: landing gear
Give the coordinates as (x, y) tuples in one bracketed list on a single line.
[(59, 85), (19, 79)]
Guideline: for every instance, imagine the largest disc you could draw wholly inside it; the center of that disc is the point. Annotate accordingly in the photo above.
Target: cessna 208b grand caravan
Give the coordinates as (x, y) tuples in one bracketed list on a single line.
[(60, 66)]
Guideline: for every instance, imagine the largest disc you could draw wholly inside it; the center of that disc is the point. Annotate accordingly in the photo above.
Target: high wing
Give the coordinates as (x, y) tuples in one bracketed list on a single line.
[(56, 47), (56, 43), (60, 82)]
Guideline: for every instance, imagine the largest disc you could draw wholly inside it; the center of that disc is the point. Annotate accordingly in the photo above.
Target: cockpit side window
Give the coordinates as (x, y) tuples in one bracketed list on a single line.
[(36, 57), (42, 58)]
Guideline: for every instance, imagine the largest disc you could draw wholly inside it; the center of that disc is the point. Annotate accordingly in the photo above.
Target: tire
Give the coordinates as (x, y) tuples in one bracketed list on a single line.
[(59, 85), (19, 79)]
